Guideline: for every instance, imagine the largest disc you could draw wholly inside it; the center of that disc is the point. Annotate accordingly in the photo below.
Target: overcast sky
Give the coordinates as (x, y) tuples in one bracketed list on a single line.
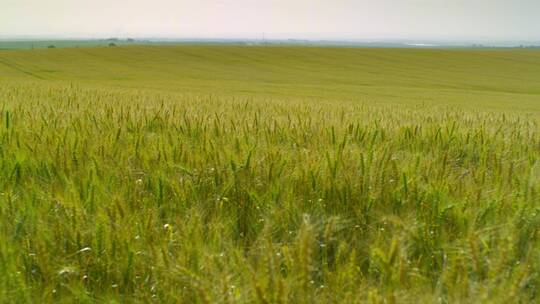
[(311, 19)]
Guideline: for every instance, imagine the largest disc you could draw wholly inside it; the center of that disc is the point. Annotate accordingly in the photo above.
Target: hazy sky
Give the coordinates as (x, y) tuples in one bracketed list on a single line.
[(315, 19)]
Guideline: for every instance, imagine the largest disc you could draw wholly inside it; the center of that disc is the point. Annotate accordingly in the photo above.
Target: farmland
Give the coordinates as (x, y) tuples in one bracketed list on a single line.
[(228, 174)]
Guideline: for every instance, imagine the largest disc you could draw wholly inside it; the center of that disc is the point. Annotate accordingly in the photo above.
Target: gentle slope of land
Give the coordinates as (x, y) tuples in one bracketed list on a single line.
[(482, 77)]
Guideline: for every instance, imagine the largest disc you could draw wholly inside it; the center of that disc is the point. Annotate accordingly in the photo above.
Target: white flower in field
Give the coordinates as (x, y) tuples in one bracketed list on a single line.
[(139, 182), (167, 226), (67, 271), (85, 249)]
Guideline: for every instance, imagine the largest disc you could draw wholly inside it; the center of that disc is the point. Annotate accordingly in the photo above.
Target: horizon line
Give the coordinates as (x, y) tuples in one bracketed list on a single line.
[(158, 38)]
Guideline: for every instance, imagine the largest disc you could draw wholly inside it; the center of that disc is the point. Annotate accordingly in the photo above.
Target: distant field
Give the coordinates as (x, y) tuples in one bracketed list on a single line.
[(43, 44), (224, 174), (490, 78)]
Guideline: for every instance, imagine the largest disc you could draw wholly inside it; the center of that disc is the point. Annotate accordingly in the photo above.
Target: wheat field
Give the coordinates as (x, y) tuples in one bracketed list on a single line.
[(225, 174)]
